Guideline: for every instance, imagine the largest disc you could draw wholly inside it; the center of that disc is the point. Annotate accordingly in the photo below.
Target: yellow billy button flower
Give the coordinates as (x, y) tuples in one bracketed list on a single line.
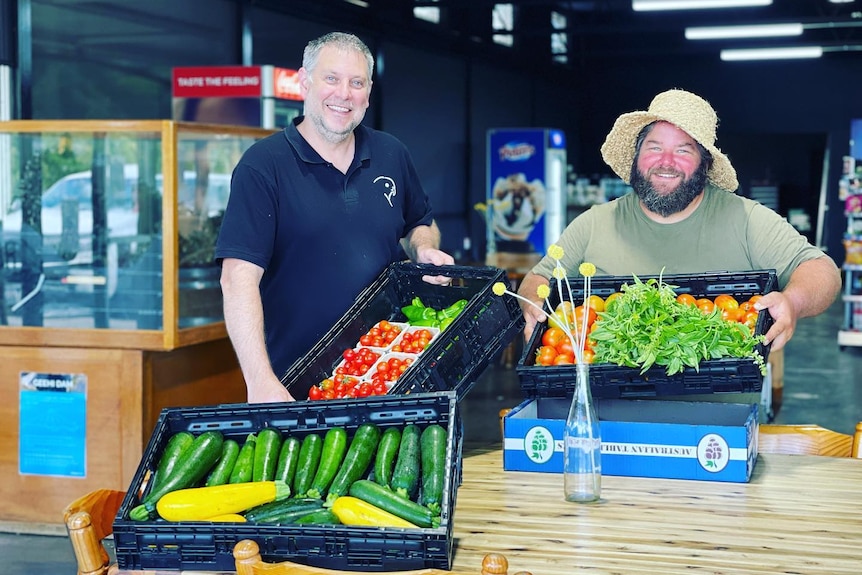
[(499, 288), (543, 291), (555, 251), (587, 269), (559, 272)]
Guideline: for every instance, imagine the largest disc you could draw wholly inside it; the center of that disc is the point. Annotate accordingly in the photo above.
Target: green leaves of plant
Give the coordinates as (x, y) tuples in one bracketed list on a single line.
[(646, 326)]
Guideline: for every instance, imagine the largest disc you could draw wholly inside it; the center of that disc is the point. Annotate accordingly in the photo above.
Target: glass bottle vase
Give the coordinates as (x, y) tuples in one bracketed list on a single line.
[(582, 452)]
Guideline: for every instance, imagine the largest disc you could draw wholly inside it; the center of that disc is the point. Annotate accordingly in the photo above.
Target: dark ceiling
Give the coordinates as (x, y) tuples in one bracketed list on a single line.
[(598, 30), (600, 33)]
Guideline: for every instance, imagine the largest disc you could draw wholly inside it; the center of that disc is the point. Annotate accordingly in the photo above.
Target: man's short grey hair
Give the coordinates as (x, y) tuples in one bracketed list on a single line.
[(340, 40)]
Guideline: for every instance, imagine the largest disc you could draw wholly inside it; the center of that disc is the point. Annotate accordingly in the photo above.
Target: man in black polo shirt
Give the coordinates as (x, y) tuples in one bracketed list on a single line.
[(315, 213)]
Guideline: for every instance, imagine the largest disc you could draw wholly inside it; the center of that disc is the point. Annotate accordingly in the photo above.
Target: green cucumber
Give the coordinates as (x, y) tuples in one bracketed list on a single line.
[(196, 462), (390, 501), (220, 474), (334, 446), (405, 476), (283, 510), (306, 467), (319, 517), (177, 443), (432, 445), (356, 462), (266, 449), (244, 466), (387, 451), (288, 456)]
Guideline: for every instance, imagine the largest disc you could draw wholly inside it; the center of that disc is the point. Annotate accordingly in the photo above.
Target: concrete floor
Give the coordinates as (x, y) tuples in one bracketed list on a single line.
[(820, 387)]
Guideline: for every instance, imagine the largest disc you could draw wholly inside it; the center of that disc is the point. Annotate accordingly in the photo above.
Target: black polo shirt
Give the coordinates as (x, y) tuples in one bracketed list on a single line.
[(321, 236)]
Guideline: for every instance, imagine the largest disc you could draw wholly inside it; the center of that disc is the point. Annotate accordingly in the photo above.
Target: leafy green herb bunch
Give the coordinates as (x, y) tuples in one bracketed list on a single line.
[(646, 325)]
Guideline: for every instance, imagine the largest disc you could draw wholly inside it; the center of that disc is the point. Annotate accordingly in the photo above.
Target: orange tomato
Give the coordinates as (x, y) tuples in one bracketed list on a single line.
[(545, 355), (579, 316), (596, 302), (754, 299), (732, 314), (705, 305), (725, 301), (589, 355), (553, 336), (686, 298), (566, 347), (564, 359), (750, 319), (611, 298)]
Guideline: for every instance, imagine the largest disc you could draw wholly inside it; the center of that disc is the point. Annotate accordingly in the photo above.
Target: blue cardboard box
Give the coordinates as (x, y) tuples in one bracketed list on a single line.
[(708, 441)]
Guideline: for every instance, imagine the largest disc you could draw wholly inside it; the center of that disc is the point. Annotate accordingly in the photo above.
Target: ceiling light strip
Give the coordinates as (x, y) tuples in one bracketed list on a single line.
[(651, 5), (753, 31), (736, 55)]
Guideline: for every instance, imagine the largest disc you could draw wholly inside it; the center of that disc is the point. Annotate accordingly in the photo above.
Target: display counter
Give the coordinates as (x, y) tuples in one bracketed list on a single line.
[(111, 302)]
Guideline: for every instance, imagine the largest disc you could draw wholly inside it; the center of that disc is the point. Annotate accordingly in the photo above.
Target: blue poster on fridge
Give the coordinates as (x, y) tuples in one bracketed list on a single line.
[(526, 188)]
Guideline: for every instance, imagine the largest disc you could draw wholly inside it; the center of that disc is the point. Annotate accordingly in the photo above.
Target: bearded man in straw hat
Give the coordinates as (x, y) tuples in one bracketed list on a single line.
[(684, 217)]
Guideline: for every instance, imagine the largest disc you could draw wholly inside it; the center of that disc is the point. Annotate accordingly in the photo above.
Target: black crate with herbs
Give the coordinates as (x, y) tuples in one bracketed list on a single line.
[(611, 380)]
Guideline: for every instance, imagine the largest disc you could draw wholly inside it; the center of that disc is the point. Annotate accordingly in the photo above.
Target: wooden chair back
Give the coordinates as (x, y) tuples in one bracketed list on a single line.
[(249, 562), (89, 519), (809, 440)]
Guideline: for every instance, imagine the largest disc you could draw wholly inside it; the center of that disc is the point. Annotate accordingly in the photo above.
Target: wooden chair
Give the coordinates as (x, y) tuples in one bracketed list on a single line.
[(249, 562), (809, 440), (90, 519)]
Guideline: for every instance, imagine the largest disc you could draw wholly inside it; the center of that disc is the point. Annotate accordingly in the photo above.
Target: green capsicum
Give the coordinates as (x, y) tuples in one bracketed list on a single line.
[(453, 310)]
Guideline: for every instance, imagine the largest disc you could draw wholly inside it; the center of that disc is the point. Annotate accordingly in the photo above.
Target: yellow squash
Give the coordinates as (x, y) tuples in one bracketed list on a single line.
[(203, 503), (355, 511)]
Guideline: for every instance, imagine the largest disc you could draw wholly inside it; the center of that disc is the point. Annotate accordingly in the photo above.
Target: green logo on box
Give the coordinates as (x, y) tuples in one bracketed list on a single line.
[(539, 444)]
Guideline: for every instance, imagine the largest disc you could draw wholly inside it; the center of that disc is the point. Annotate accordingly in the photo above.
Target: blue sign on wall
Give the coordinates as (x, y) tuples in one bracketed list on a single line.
[(52, 432)]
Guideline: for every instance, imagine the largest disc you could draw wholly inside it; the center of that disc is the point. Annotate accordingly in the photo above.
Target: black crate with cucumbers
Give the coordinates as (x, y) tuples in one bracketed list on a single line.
[(157, 544)]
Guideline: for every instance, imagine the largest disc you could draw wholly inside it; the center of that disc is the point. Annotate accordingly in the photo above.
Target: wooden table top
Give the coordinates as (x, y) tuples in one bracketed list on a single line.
[(798, 514)]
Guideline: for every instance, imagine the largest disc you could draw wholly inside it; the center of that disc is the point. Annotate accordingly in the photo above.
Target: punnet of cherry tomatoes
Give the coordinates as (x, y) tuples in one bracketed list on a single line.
[(383, 354), (648, 319)]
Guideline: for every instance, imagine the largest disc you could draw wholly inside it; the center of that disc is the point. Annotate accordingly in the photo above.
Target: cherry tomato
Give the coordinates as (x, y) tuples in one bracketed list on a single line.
[(315, 393)]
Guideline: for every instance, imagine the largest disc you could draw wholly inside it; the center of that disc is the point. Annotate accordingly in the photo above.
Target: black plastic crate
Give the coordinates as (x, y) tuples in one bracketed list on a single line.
[(209, 546), (726, 375), (454, 359)]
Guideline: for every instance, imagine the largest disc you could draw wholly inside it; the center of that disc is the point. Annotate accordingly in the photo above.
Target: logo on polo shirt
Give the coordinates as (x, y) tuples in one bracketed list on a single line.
[(389, 184)]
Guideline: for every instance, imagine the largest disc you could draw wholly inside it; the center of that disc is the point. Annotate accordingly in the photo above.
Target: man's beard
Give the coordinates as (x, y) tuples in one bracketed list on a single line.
[(676, 201)]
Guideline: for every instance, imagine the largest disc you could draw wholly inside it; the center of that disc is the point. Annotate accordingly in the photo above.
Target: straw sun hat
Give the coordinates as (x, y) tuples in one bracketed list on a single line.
[(686, 111)]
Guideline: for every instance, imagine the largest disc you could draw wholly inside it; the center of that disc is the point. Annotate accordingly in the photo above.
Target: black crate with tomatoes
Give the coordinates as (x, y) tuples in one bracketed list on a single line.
[(404, 335), (712, 344)]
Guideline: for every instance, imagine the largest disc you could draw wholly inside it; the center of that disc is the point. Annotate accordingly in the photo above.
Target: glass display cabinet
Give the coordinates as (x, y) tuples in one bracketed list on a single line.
[(111, 227), (110, 291)]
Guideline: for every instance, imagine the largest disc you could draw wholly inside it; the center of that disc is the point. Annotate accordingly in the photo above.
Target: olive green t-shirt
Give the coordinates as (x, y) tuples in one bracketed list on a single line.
[(726, 233)]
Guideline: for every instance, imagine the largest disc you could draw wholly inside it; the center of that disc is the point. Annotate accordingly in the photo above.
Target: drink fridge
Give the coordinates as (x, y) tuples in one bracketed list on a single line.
[(526, 199), (260, 96)]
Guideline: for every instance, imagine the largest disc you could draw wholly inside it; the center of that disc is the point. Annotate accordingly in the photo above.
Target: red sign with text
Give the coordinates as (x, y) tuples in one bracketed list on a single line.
[(285, 84), (217, 81)]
